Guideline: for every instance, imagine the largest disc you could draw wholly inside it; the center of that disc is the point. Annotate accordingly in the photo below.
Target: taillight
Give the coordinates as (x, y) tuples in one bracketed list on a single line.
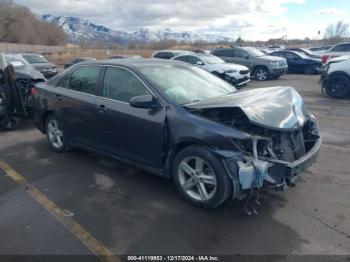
[(32, 90), (325, 59)]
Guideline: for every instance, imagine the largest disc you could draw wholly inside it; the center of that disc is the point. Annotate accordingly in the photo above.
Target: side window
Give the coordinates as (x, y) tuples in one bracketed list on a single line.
[(182, 58), (164, 55), (64, 83), (193, 60), (85, 79), (218, 52), (279, 54), (239, 53), (291, 56), (120, 84), (227, 53)]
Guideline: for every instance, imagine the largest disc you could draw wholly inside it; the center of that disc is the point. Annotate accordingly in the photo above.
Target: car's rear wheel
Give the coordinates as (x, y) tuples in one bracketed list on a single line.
[(338, 86), (261, 74), (56, 135), (201, 178)]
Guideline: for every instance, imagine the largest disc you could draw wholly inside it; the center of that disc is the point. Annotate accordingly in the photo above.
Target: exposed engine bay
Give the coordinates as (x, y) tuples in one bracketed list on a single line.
[(271, 158)]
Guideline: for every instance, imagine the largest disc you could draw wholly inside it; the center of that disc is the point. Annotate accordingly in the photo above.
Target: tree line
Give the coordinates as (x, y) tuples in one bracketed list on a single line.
[(19, 25)]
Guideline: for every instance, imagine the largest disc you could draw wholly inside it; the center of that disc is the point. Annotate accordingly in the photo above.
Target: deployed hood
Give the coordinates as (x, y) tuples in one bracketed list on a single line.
[(277, 108)]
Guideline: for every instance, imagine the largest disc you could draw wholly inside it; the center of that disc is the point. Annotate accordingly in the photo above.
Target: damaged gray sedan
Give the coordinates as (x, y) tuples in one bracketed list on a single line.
[(181, 122)]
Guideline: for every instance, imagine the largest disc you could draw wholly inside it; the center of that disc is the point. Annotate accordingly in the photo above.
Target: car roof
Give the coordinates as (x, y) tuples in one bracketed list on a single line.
[(131, 62)]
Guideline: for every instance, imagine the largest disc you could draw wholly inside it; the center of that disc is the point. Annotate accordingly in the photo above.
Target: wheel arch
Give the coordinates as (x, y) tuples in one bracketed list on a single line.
[(258, 66), (178, 147), (44, 117)]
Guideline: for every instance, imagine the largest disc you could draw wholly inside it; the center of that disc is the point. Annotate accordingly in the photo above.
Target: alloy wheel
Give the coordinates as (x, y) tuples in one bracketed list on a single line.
[(197, 179), (261, 75), (55, 134)]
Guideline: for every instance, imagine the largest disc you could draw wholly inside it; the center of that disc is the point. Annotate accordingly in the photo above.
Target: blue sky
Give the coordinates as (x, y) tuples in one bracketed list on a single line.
[(250, 19)]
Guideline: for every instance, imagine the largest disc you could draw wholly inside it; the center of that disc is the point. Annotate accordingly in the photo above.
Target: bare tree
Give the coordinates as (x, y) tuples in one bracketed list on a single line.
[(19, 25), (337, 32)]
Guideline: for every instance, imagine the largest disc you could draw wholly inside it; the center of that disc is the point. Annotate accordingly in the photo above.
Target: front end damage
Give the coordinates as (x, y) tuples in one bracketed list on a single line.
[(274, 155)]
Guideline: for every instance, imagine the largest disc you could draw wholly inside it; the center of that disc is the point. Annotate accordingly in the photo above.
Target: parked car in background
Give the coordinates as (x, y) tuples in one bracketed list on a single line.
[(329, 62), (305, 51), (168, 54), (336, 79), (181, 122), (237, 75), (40, 63), (79, 60), (342, 49), (125, 57), (299, 62), (321, 48), (263, 67), (23, 68)]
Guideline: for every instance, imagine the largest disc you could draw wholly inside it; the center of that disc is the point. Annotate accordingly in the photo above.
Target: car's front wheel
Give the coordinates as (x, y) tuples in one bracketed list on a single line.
[(201, 178), (56, 135), (261, 74)]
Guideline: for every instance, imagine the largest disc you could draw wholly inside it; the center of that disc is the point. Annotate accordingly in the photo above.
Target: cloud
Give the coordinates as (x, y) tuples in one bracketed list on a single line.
[(331, 12), (231, 16)]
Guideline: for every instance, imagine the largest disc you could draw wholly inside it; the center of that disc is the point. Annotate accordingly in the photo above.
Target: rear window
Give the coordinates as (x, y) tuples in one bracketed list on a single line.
[(164, 55)]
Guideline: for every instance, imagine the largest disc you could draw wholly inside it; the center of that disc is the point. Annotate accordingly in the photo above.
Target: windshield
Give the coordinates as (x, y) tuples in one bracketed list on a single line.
[(185, 85), (211, 60), (254, 52), (35, 59), (17, 61)]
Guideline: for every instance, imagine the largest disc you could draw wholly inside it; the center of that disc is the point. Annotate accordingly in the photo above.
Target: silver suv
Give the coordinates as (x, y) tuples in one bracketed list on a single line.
[(263, 67)]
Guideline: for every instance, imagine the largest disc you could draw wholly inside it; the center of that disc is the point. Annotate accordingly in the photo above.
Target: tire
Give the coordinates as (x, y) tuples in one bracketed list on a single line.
[(208, 186), (338, 86), (56, 135), (10, 123), (310, 70), (261, 73)]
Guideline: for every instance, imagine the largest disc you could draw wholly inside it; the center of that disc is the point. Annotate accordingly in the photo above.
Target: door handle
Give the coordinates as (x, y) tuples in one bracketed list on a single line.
[(58, 97), (102, 108)]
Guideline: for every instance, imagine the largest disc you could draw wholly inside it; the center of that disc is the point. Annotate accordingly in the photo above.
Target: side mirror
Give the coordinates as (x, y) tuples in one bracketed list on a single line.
[(246, 57), (199, 63), (145, 101)]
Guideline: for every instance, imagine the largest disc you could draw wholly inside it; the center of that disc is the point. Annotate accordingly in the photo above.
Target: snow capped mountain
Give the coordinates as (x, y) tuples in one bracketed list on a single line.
[(81, 30)]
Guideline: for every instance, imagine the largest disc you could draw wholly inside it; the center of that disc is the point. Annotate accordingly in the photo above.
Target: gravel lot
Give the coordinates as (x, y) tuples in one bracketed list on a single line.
[(131, 212)]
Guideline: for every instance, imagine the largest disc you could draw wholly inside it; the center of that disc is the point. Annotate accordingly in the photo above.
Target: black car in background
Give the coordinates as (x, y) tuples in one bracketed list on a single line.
[(41, 64), (78, 60), (181, 122), (299, 62)]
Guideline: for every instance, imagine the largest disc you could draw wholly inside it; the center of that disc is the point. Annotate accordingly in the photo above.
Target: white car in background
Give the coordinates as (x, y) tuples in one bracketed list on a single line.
[(336, 79), (237, 75), (342, 49)]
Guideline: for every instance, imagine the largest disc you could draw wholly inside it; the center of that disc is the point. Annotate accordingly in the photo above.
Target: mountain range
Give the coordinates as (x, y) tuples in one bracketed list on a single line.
[(79, 30)]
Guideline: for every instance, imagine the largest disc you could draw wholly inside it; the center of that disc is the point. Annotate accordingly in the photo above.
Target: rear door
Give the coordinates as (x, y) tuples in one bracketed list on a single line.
[(227, 55), (75, 98), (133, 133), (242, 58)]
